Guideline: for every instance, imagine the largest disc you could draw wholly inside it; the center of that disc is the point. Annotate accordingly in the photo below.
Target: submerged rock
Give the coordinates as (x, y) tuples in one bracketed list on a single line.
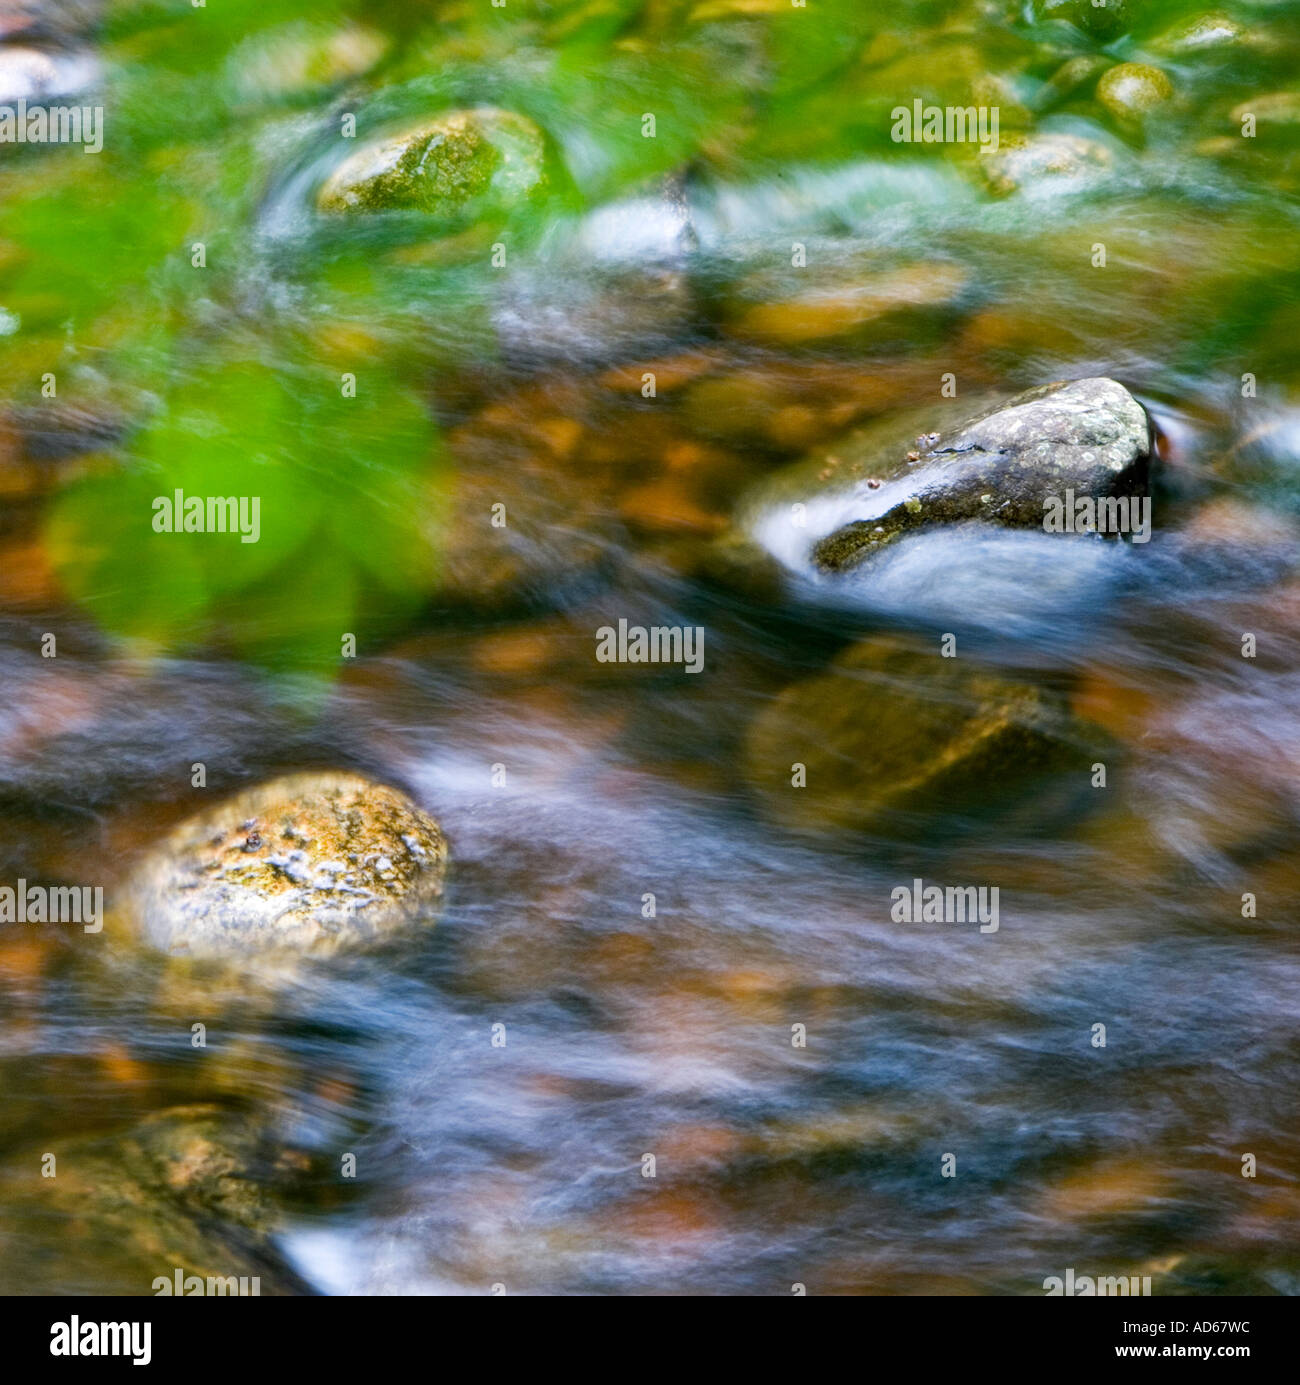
[(900, 301), (1205, 32), (1024, 161), (453, 166), (1105, 22), (188, 1188), (890, 728), (1130, 90), (1003, 466), (309, 863)]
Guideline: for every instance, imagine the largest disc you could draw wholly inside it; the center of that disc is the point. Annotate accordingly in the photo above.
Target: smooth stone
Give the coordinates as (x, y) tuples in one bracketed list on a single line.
[(1001, 466), (776, 519), (452, 166), (1129, 91), (889, 728), (306, 864)]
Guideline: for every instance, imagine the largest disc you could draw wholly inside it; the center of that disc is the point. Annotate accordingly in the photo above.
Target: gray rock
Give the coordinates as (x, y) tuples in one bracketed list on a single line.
[(1089, 436), (309, 863)]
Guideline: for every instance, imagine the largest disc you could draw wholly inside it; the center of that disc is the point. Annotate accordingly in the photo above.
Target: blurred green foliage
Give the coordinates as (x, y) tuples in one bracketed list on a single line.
[(221, 121)]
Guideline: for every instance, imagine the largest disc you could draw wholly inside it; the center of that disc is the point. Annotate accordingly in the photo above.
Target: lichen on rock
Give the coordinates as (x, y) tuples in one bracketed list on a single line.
[(309, 863)]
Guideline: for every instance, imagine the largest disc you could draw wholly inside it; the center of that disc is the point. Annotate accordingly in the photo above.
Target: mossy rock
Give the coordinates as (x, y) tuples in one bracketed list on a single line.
[(192, 1187), (1131, 91), (456, 167), (892, 729), (306, 864)]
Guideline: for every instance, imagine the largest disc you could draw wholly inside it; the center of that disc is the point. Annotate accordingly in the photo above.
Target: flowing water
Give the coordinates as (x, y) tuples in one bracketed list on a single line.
[(799, 1063)]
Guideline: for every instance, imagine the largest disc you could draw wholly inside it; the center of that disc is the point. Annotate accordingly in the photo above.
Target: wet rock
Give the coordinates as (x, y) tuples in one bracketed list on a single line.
[(1130, 91), (1205, 33), (1024, 161), (454, 166), (882, 302), (1089, 436), (777, 519), (891, 729), (309, 863), (190, 1187)]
